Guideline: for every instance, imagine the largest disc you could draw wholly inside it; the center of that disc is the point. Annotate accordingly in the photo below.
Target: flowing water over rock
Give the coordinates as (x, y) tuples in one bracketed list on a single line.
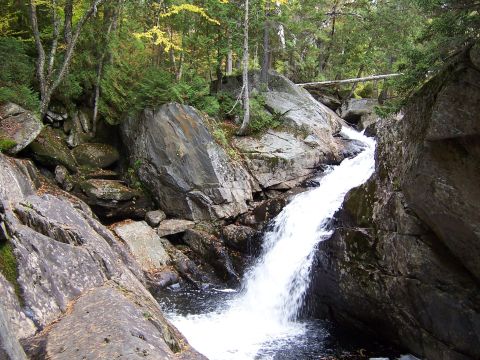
[(262, 319)]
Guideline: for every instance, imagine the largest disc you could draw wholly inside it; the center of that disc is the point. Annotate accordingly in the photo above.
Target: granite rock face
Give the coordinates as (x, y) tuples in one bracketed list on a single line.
[(73, 275), (404, 260), (188, 173), (282, 159)]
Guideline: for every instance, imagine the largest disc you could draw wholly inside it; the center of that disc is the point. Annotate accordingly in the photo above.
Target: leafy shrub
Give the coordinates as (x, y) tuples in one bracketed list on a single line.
[(16, 74)]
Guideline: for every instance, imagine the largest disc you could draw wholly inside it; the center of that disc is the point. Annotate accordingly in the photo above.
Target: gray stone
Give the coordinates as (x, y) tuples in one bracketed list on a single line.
[(174, 226), (19, 126), (18, 178), (113, 200), (278, 157), (144, 244), (78, 129), (20, 325), (119, 326), (187, 172), (74, 275), (96, 155), (63, 178), (353, 110), (154, 218), (10, 348), (108, 190), (403, 261), (50, 149)]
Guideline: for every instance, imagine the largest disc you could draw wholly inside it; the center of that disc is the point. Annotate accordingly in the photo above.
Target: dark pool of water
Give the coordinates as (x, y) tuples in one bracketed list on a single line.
[(323, 340)]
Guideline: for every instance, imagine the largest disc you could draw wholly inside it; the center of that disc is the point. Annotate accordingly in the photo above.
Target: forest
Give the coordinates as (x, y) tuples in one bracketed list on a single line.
[(119, 56), (240, 179)]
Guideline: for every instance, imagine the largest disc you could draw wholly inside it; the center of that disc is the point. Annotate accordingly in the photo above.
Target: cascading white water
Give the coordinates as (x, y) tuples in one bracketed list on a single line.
[(274, 289)]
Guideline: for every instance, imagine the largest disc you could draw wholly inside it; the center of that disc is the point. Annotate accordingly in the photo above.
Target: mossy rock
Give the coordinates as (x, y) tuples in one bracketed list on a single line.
[(8, 265), (50, 149), (18, 128), (95, 155), (108, 190), (359, 204)]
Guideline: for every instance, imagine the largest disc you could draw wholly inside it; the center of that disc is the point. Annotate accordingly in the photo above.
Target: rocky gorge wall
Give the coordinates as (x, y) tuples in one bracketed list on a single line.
[(73, 287), (404, 260)]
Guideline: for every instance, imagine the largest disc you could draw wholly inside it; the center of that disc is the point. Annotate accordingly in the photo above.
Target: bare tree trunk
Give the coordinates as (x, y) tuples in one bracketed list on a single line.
[(246, 99), (229, 56), (50, 80), (332, 35), (112, 25), (68, 13), (266, 49)]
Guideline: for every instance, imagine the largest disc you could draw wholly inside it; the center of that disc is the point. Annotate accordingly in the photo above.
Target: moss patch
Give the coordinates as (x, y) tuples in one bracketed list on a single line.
[(8, 265)]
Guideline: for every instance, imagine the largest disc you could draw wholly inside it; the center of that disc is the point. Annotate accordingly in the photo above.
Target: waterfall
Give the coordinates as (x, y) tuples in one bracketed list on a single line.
[(266, 310)]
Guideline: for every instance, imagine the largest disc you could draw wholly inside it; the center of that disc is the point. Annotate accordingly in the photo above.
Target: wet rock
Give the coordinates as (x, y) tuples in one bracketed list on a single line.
[(188, 270), (50, 149), (187, 172), (18, 128), (404, 258), (154, 218), (160, 279), (94, 155), (174, 226), (212, 250), (239, 237), (144, 244)]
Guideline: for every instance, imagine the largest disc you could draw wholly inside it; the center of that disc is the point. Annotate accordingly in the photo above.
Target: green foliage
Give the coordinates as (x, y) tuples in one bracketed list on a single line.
[(260, 119), (16, 74), (6, 144)]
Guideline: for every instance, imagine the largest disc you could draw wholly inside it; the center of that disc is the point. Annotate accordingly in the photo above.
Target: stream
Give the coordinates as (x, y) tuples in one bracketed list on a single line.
[(261, 319)]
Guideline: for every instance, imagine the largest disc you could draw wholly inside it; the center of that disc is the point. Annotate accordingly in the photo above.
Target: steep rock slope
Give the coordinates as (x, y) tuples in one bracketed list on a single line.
[(79, 293), (404, 260)]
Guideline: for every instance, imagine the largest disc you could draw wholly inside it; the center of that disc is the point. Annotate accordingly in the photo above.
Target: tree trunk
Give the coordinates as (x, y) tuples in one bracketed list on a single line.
[(229, 56), (246, 100), (50, 79), (266, 50), (101, 62)]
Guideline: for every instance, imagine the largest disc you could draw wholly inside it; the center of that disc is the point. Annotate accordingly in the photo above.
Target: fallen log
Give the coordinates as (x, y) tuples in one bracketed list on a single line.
[(348, 81)]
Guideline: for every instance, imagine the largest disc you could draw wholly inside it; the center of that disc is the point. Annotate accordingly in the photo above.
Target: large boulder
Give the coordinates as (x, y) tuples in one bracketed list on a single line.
[(404, 259), (284, 158), (95, 155), (18, 128), (111, 199), (73, 275), (187, 172), (354, 110), (144, 244), (50, 149)]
